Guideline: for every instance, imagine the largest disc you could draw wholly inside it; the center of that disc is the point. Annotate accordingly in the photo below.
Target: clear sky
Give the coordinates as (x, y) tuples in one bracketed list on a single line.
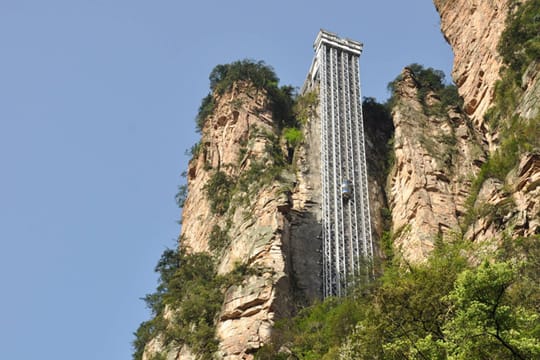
[(97, 101)]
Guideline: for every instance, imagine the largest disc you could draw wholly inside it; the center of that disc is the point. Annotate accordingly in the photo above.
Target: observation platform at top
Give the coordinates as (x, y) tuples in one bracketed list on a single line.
[(328, 39), (333, 40)]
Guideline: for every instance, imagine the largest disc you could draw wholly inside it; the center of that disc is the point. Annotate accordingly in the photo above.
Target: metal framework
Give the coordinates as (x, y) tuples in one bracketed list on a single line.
[(347, 247)]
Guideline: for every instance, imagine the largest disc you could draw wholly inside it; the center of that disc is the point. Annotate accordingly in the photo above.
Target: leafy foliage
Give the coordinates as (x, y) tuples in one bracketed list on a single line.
[(449, 96), (218, 238), (316, 330), (223, 76), (218, 191), (146, 331), (258, 74), (206, 109), (194, 150), (192, 292), (282, 103), (429, 80), (305, 106), (181, 195), (186, 302), (485, 323), (261, 172), (293, 136), (520, 41), (519, 46), (379, 127), (442, 309), (376, 116)]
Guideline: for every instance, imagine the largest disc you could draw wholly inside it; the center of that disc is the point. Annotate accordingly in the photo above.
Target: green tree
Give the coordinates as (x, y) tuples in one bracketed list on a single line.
[(485, 325), (205, 110), (293, 136), (305, 106), (218, 238), (520, 41), (261, 75), (218, 191), (409, 304), (428, 80), (181, 195), (258, 74), (192, 292)]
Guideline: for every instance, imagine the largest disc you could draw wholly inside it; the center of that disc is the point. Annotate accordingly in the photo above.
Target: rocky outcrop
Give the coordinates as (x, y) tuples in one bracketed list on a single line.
[(235, 138), (473, 29), (505, 207), (529, 107), (436, 155), (510, 207), (272, 237)]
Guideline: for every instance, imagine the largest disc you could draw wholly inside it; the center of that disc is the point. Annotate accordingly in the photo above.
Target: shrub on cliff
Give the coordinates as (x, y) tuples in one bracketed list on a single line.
[(181, 195), (444, 308), (205, 110), (428, 80), (293, 136), (261, 76), (520, 41), (189, 286), (519, 46), (218, 238), (305, 106), (219, 191), (223, 76)]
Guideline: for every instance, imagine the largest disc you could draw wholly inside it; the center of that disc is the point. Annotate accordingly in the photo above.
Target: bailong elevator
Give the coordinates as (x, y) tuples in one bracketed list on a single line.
[(347, 247)]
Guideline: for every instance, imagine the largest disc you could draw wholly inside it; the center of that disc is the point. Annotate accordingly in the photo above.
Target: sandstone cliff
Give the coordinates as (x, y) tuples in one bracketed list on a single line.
[(509, 205), (446, 179), (473, 29), (436, 155), (235, 139), (270, 223)]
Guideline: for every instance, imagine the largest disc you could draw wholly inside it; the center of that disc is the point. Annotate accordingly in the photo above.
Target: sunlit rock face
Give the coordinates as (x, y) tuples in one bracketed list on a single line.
[(473, 29), (273, 226), (435, 157)]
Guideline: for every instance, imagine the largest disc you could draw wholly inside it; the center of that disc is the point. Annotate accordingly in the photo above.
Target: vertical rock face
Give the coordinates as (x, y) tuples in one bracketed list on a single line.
[(235, 138), (435, 157), (438, 155), (529, 106), (271, 223), (473, 29), (305, 216), (506, 207), (510, 207)]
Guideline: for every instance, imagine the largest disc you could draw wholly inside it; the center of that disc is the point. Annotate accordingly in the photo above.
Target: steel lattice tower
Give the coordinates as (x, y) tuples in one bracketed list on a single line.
[(347, 248)]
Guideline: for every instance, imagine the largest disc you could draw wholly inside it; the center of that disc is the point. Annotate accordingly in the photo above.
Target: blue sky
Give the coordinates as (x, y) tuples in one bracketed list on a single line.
[(97, 101)]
